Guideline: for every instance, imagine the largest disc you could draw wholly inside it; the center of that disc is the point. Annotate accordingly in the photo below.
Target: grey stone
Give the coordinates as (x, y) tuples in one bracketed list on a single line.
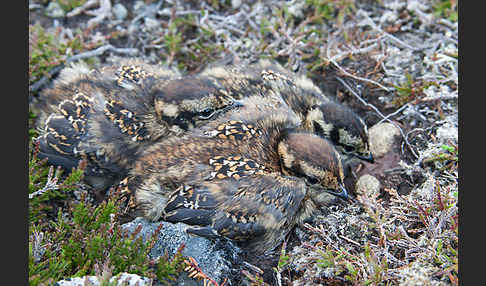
[(54, 10), (382, 137), (125, 279), (119, 11), (235, 4), (368, 185), (215, 258), (151, 24), (138, 5), (296, 8), (447, 132)]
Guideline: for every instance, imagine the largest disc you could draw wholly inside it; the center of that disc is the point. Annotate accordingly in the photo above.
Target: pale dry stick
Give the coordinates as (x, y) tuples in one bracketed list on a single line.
[(391, 37), (101, 50), (357, 77), (96, 52), (166, 12), (320, 232), (350, 240), (34, 6), (379, 113), (101, 13), (147, 12), (78, 10), (223, 22), (51, 184), (341, 56), (41, 82), (394, 113), (278, 278), (331, 60), (448, 23)]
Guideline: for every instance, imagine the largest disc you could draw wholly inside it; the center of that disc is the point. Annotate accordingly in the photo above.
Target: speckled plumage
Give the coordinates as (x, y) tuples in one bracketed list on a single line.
[(251, 188), (125, 107), (106, 115), (317, 113)]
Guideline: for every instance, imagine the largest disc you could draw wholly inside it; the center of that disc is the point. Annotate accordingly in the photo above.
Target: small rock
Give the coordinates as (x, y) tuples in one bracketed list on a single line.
[(215, 258), (382, 137), (389, 16), (447, 132), (151, 23), (368, 185), (139, 5), (120, 11), (296, 8), (125, 279), (395, 5), (418, 273), (54, 10), (235, 4)]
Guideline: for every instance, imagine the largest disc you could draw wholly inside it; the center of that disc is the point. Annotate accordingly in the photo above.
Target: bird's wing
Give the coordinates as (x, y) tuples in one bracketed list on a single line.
[(63, 130), (237, 209)]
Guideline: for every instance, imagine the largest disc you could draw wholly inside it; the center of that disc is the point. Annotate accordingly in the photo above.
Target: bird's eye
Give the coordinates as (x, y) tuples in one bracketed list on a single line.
[(180, 119), (312, 180), (206, 113), (349, 148), (182, 122)]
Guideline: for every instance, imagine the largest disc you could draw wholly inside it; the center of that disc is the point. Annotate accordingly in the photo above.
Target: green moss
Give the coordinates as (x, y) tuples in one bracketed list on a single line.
[(203, 48), (446, 9), (331, 9), (410, 90), (449, 158), (68, 5), (169, 268), (48, 50), (41, 204), (33, 132), (84, 238)]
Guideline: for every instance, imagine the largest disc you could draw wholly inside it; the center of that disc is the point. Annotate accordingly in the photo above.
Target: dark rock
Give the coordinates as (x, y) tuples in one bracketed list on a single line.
[(217, 259)]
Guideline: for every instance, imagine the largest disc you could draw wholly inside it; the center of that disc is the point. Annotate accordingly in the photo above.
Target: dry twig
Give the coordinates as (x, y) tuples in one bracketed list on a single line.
[(379, 113), (96, 52)]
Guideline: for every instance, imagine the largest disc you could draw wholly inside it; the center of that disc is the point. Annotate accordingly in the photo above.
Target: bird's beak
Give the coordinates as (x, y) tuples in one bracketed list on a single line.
[(234, 104), (343, 194), (368, 158)]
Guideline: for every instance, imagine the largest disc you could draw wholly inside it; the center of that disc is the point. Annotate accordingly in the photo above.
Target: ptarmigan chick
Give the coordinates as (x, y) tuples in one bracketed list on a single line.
[(251, 175), (107, 115)]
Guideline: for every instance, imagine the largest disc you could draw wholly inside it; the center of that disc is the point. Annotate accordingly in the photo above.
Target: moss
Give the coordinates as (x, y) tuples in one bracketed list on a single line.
[(47, 49), (410, 90), (448, 158), (203, 47), (169, 268), (446, 9), (68, 239), (40, 174), (331, 9), (83, 238), (68, 5)]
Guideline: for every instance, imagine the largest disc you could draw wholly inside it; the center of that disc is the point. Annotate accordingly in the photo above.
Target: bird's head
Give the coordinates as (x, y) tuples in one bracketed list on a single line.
[(185, 103), (314, 159), (342, 126)]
